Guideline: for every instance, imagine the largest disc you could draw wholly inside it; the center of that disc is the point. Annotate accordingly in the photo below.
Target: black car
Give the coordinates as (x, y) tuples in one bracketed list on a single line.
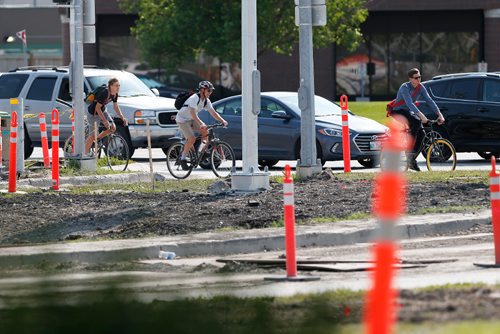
[(470, 103)]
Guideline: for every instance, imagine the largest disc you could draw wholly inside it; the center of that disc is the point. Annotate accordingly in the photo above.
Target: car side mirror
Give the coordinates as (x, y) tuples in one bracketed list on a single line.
[(155, 91), (280, 114)]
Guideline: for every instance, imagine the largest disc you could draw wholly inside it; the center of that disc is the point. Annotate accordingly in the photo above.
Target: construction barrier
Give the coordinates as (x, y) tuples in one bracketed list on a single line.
[(55, 149), (290, 244), (13, 153), (289, 218), (389, 204), (495, 213), (346, 145), (45, 141)]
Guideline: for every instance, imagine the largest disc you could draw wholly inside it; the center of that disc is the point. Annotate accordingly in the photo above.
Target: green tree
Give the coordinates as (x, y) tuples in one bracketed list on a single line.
[(170, 32)]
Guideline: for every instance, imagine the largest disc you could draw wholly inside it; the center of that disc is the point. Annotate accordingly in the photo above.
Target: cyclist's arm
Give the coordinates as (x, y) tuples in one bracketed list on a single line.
[(118, 111), (405, 92), (432, 104), (216, 116)]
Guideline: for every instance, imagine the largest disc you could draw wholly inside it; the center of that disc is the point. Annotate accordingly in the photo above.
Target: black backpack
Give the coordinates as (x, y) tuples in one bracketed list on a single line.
[(182, 97), (93, 94)]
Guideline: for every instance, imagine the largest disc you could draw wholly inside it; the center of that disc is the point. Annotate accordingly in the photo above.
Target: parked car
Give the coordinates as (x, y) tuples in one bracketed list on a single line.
[(279, 130), (45, 88), (163, 90), (470, 103)]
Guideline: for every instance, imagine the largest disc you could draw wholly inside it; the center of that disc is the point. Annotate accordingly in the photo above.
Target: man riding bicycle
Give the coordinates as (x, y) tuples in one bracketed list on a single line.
[(98, 114), (188, 120), (405, 106)]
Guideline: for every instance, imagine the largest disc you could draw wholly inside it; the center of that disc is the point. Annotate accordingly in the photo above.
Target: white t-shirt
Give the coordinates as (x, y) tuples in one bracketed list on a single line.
[(195, 102)]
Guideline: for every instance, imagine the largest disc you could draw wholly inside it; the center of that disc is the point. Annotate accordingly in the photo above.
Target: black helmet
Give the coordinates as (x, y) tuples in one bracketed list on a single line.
[(205, 84)]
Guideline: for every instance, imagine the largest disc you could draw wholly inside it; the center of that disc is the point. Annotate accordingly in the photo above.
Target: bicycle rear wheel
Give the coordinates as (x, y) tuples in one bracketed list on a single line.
[(222, 159), (441, 156), (116, 152), (174, 161)]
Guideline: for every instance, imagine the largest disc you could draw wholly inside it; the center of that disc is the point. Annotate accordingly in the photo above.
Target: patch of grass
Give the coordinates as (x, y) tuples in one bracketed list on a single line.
[(278, 223), (352, 216), (476, 327), (449, 209), (191, 185), (475, 176), (373, 110)]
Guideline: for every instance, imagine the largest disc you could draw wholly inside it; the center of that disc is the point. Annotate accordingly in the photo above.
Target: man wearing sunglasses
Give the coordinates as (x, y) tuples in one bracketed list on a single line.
[(408, 94), (189, 122)]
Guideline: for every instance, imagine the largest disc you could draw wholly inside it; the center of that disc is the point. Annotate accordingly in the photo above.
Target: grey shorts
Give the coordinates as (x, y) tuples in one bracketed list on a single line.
[(93, 119), (188, 128)]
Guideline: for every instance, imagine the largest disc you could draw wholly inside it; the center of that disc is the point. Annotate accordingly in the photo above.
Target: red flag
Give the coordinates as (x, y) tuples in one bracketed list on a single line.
[(22, 36)]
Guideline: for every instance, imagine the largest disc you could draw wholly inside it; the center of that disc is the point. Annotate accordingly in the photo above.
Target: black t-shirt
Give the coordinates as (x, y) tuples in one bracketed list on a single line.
[(103, 98)]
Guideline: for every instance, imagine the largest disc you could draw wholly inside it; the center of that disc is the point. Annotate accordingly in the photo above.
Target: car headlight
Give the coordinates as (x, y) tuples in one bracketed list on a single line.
[(141, 116), (331, 132)]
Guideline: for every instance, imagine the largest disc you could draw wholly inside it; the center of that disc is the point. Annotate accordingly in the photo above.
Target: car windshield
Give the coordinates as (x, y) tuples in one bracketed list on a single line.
[(130, 85), (323, 106), (150, 82)]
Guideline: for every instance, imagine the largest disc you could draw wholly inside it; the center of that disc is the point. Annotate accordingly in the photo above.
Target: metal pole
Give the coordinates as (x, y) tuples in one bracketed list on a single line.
[(307, 164), (77, 77)]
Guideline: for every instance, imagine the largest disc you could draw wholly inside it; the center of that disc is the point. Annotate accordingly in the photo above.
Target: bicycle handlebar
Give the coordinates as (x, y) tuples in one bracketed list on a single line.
[(216, 125)]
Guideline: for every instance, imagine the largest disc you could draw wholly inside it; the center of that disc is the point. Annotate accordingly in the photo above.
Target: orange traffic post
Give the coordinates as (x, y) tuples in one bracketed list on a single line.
[(13, 153), (45, 141), (389, 204), (72, 133), (289, 217), (495, 213), (346, 145), (290, 241), (55, 149)]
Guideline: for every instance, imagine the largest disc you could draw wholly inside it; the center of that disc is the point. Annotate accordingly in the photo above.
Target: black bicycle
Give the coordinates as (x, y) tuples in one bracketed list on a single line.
[(439, 153), (215, 153)]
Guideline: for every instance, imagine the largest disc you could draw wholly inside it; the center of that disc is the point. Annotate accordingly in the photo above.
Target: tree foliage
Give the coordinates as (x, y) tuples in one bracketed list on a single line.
[(174, 31)]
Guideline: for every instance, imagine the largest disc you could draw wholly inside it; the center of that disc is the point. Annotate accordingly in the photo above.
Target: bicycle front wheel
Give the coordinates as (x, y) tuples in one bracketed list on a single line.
[(116, 152), (441, 156), (222, 159), (174, 161)]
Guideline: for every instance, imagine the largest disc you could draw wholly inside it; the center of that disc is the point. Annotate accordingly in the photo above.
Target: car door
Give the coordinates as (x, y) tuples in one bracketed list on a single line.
[(457, 99), (39, 98), (277, 136), (487, 116)]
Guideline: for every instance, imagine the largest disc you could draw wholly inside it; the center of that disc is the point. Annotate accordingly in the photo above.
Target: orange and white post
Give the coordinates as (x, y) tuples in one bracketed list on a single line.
[(289, 217), (55, 149), (389, 204), (495, 213), (346, 145), (45, 141), (13, 153)]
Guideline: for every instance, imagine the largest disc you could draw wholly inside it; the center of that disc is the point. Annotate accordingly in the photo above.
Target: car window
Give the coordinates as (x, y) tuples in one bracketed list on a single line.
[(41, 89), (64, 90), (11, 85), (130, 85), (491, 91), (464, 89), (231, 108), (323, 107), (440, 89), (267, 107)]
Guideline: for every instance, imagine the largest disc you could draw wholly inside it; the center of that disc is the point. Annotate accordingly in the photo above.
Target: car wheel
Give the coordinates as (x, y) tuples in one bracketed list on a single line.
[(28, 145), (319, 152), (268, 163), (123, 131), (368, 162), (488, 155)]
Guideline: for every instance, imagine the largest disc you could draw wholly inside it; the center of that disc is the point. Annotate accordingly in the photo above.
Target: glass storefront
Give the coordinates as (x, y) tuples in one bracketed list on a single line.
[(396, 42)]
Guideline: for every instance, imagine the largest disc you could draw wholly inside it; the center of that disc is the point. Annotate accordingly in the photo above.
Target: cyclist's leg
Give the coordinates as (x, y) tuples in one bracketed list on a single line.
[(94, 122)]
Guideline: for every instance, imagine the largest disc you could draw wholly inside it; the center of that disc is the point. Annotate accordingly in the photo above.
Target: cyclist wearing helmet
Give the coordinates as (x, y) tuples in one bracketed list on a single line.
[(188, 120)]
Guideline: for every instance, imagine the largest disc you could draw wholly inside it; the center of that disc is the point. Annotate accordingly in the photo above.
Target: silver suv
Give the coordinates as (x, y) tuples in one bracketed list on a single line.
[(45, 88)]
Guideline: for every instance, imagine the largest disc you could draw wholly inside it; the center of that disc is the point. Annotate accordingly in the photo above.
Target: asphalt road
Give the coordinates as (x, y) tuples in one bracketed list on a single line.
[(466, 161)]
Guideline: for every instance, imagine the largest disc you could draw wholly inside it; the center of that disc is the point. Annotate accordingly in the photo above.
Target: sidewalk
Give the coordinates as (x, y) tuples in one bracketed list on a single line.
[(234, 242)]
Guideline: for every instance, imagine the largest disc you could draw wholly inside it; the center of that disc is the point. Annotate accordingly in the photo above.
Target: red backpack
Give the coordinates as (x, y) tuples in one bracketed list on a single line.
[(391, 105)]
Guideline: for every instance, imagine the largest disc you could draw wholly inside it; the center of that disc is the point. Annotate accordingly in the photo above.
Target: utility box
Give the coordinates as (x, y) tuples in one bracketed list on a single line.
[(5, 136)]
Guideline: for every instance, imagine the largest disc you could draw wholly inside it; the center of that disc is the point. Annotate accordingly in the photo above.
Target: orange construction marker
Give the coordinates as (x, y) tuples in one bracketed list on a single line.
[(289, 217), (346, 144), (13, 153), (55, 149), (45, 141)]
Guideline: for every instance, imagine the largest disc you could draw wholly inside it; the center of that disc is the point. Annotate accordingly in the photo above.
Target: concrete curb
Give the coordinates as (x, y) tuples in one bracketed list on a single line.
[(247, 241)]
